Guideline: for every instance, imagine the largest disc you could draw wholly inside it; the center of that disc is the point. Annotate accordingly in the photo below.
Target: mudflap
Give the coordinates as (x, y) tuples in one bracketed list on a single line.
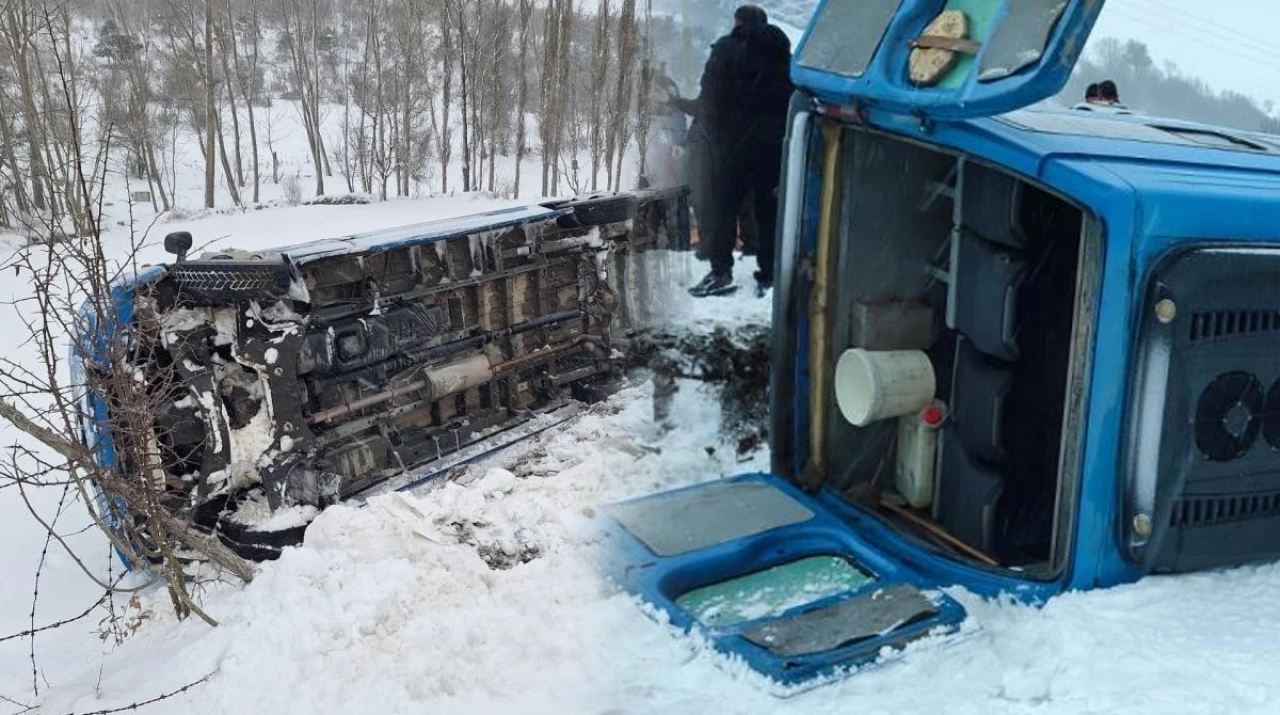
[(769, 575)]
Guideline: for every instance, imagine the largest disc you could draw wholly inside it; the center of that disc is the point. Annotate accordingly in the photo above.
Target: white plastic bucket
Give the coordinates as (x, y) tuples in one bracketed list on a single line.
[(874, 385)]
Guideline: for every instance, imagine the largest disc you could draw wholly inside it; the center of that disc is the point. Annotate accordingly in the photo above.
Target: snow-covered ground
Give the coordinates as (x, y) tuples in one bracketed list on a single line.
[(394, 608), (391, 608)]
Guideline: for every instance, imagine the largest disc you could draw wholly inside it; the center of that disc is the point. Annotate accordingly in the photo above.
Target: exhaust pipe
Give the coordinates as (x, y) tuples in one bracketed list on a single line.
[(438, 382)]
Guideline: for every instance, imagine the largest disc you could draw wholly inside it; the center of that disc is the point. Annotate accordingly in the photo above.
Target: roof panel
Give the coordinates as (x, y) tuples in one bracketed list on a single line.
[(1091, 125), (421, 233)]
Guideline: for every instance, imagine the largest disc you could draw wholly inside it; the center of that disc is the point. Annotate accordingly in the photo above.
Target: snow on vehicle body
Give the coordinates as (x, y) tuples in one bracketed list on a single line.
[(1017, 352), (289, 380)]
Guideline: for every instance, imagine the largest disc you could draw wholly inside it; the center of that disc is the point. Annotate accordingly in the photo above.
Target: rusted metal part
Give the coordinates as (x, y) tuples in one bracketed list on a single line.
[(935, 53), (951, 44), (940, 533), (820, 308), (386, 353)]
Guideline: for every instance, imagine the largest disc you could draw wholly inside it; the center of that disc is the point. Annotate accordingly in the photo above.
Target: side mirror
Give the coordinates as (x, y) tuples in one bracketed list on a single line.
[(178, 243)]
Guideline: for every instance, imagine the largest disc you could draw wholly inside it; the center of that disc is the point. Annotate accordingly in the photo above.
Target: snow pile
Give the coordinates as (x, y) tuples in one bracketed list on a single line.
[(479, 596), (468, 598), (703, 315)]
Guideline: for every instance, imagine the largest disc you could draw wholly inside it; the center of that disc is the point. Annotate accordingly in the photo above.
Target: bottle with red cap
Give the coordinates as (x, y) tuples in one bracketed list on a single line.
[(917, 449)]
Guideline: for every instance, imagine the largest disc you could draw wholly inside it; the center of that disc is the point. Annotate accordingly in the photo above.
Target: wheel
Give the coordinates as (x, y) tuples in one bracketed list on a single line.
[(597, 210), (595, 392), (259, 545), (229, 279)]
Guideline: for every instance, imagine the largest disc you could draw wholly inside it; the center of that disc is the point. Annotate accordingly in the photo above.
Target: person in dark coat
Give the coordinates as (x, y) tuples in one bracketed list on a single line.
[(742, 113), (697, 145)]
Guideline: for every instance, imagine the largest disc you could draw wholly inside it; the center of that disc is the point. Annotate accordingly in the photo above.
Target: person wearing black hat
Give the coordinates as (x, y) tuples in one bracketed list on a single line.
[(1091, 97), (742, 110), (1109, 94)]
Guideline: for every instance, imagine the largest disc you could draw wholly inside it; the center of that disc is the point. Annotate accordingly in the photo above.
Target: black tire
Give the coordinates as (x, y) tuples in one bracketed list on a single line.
[(215, 281), (259, 545), (597, 210), (597, 391)]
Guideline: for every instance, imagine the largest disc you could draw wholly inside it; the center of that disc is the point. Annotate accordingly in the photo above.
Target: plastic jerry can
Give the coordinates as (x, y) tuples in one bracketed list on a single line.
[(917, 447)]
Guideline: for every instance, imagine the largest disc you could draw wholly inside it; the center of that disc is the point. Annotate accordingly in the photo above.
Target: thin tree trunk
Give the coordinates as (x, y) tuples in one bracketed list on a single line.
[(546, 120), (522, 99), (250, 96), (444, 135), (563, 95), (619, 136), (406, 145), (322, 155), (11, 157), (464, 97), (600, 55), (210, 109), (40, 180), (226, 43), (153, 170), (226, 164)]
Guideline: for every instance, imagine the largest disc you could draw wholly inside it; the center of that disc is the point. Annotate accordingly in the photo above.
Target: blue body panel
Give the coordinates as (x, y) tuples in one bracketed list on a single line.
[(884, 83), (662, 580), (98, 327), (1152, 189), (1151, 193)]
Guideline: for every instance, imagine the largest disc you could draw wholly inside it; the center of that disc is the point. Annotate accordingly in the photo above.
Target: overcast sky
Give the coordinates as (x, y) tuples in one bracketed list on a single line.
[(1222, 41)]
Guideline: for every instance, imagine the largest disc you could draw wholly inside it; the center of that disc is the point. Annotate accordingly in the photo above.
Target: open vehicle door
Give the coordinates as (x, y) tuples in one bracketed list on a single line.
[(969, 58), (798, 584), (772, 575)]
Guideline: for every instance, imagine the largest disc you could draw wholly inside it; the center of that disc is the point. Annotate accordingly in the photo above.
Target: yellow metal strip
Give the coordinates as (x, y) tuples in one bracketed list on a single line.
[(819, 309)]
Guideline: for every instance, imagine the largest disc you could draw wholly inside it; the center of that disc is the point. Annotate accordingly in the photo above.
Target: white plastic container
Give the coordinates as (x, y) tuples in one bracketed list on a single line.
[(917, 451), (874, 385)]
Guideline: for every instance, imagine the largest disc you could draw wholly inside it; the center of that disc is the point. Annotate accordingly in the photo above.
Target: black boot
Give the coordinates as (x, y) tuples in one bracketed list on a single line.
[(764, 283), (714, 284)]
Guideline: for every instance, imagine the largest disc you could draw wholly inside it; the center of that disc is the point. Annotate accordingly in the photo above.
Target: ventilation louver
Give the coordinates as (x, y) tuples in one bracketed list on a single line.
[(1203, 511), (1225, 323)]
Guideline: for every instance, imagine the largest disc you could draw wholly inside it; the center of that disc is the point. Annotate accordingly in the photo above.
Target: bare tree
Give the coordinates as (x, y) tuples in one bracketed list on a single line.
[(457, 13), (440, 120), (522, 101), (300, 31), (557, 39), (599, 76), (644, 109), (126, 50), (19, 29), (498, 90), (247, 78), (71, 291), (210, 108), (617, 135)]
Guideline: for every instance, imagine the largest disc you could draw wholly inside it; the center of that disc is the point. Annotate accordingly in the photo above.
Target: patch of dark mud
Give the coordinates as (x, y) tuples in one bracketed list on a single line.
[(497, 555), (499, 558), (737, 362)]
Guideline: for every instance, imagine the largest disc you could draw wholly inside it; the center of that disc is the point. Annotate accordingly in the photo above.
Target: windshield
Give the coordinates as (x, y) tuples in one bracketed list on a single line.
[(1020, 39), (846, 34)]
